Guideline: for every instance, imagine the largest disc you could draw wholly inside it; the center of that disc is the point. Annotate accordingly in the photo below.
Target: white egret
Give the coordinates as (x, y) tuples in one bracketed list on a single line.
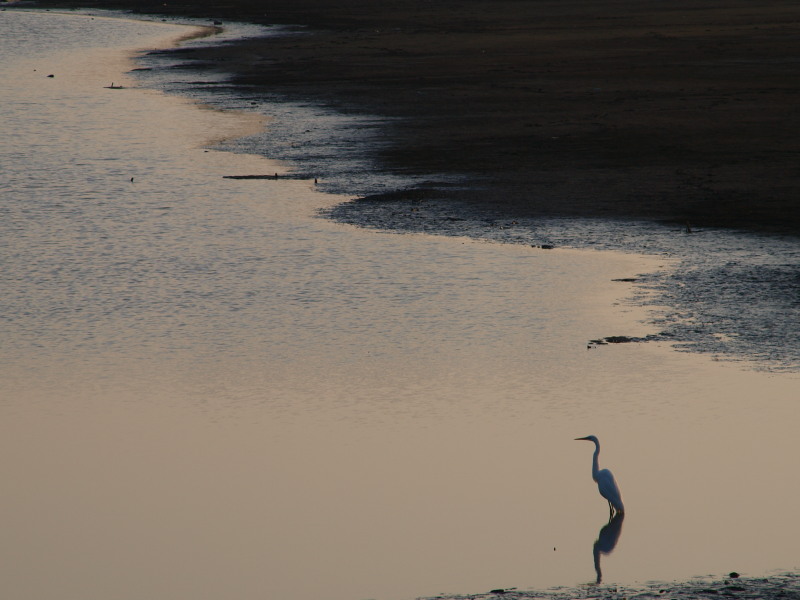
[(605, 480)]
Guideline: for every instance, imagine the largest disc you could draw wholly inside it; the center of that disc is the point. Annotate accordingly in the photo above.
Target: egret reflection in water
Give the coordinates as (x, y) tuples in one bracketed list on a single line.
[(606, 541)]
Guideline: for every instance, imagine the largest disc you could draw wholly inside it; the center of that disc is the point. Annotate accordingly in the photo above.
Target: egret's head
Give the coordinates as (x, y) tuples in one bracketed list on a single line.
[(588, 438)]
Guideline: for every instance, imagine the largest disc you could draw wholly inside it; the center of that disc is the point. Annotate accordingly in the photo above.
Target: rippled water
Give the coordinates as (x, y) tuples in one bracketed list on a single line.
[(732, 294), (211, 391)]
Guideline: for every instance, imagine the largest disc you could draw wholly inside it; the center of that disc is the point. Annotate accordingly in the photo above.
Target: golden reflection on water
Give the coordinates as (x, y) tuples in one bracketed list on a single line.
[(283, 407), (347, 502)]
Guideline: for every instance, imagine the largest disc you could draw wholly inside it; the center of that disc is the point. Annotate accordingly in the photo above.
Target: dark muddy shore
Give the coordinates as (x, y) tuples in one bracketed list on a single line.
[(676, 112), (732, 587)]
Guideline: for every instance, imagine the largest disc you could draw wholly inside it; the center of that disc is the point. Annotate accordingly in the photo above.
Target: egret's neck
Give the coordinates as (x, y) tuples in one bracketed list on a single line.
[(595, 465)]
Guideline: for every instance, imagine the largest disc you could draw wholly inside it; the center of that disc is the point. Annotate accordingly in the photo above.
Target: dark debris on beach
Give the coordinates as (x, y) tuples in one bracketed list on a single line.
[(785, 586)]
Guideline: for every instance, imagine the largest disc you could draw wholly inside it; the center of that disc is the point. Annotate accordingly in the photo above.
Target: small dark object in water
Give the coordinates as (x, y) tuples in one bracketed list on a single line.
[(51, 75), (626, 279), (546, 246), (619, 339), (733, 575)]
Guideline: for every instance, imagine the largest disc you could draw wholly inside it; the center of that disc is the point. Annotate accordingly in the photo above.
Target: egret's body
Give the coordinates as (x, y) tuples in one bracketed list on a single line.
[(605, 480)]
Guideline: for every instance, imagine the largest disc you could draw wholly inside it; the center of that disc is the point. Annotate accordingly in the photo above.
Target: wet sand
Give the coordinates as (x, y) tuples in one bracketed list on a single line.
[(732, 586), (677, 112)]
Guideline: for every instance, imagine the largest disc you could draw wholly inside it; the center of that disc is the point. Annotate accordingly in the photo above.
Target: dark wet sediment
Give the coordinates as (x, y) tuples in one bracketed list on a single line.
[(784, 586), (673, 112)]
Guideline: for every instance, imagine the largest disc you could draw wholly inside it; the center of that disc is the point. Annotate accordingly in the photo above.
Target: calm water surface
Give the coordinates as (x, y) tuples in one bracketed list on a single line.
[(209, 391)]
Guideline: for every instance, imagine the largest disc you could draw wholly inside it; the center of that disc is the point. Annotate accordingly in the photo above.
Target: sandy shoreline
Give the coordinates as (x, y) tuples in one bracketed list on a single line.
[(679, 112)]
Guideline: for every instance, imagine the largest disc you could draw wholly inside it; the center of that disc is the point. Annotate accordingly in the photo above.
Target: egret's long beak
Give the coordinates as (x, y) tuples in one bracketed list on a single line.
[(584, 438)]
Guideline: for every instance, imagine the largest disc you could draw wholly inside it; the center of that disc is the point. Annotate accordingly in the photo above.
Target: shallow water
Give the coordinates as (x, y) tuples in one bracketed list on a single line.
[(732, 294), (210, 391)]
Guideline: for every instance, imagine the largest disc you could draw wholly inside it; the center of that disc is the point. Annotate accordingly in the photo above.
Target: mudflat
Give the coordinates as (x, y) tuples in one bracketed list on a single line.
[(682, 111)]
